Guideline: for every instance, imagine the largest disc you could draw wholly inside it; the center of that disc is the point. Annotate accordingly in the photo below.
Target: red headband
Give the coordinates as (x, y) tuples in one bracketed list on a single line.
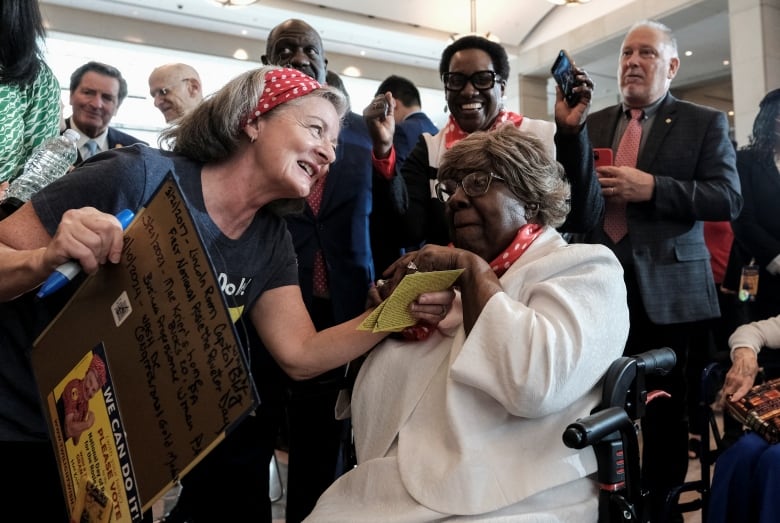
[(99, 367), (282, 85)]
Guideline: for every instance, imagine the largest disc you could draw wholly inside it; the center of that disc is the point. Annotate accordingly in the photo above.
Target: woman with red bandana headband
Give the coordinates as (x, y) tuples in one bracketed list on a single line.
[(243, 157), (474, 72), (474, 433)]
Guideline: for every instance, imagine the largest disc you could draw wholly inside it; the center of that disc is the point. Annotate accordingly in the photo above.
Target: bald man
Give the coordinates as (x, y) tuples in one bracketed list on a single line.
[(175, 89)]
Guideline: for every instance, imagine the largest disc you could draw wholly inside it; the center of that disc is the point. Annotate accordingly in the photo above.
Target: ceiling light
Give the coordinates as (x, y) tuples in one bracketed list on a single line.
[(241, 54), (235, 3), (352, 71), (473, 32), (570, 3)]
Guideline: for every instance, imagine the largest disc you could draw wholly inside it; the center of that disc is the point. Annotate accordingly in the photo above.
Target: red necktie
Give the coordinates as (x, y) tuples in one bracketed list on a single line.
[(320, 283), (615, 217)]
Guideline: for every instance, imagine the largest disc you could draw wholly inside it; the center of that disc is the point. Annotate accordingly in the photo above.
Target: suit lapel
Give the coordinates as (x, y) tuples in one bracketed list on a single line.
[(110, 139), (665, 119), (604, 133)]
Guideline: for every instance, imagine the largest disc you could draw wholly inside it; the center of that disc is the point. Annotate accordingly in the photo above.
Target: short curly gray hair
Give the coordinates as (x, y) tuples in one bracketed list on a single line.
[(522, 161)]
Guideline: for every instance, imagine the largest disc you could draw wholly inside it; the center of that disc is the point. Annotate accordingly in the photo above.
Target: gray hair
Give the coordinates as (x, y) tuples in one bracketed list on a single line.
[(214, 129), (521, 159), (662, 28)]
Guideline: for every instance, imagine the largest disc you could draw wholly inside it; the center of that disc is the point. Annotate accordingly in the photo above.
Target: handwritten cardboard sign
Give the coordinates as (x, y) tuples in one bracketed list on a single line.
[(178, 378)]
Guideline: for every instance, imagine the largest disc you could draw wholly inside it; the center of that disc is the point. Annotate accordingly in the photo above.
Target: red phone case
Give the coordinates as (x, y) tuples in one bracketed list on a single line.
[(602, 156)]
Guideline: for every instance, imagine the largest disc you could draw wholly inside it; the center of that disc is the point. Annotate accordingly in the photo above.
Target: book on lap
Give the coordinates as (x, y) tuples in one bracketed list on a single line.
[(759, 410)]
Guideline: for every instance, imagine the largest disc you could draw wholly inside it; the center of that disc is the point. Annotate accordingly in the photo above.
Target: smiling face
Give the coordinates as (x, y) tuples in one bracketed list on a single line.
[(648, 63), (474, 109), (296, 44), (174, 91), (295, 144), (95, 101), (486, 224)]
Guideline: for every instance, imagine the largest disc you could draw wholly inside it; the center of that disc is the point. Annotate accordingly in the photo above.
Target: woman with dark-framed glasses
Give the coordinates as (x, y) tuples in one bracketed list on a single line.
[(474, 73), (465, 425)]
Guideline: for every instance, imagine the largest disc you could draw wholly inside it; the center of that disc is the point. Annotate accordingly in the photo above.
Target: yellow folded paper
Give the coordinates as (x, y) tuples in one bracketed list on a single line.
[(392, 315)]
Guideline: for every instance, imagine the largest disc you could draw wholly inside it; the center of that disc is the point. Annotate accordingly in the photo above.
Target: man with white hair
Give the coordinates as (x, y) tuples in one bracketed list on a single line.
[(674, 168), (175, 89)]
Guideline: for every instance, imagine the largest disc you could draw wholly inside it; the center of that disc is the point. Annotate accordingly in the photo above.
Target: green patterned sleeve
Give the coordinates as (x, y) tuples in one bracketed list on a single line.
[(42, 119), (28, 116)]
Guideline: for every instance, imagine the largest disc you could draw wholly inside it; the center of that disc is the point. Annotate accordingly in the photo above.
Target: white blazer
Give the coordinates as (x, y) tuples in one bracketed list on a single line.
[(476, 422)]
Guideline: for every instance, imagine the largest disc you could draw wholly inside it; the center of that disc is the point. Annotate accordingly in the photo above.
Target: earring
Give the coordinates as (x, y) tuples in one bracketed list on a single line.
[(252, 139)]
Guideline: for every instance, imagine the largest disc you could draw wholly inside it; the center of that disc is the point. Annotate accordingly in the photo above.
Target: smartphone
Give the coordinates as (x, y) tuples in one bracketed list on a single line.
[(563, 72), (602, 156)]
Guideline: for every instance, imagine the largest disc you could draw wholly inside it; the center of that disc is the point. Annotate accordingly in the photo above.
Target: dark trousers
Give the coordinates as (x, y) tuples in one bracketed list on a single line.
[(315, 441), (710, 344), (231, 482), (315, 435), (665, 426)]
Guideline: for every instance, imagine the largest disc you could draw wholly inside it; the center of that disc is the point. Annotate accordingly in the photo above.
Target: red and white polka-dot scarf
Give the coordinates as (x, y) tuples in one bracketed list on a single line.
[(524, 238), (453, 133)]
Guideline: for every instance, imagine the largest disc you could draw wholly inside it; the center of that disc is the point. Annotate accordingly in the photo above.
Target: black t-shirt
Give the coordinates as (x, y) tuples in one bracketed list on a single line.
[(261, 259)]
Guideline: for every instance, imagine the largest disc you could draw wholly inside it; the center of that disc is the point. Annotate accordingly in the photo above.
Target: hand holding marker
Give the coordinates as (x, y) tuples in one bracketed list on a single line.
[(68, 270)]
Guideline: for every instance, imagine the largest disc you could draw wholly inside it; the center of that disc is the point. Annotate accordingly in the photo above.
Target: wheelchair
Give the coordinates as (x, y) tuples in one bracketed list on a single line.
[(613, 433)]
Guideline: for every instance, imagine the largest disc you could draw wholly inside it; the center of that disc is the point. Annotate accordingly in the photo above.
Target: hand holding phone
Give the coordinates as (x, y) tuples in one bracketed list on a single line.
[(564, 74)]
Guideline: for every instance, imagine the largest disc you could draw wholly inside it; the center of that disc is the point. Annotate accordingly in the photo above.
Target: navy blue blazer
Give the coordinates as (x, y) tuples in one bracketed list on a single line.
[(341, 227), (689, 152), (408, 132), (114, 138), (385, 223)]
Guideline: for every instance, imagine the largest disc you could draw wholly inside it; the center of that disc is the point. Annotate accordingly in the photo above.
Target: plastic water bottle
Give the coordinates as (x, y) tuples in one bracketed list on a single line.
[(48, 162)]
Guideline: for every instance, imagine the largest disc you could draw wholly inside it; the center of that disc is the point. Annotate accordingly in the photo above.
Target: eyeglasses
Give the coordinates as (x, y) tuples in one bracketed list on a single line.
[(480, 80), (163, 91), (474, 184)]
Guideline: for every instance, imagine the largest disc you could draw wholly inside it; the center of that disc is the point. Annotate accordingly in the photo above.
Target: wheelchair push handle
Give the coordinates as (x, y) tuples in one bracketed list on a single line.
[(626, 374), (592, 429), (657, 361)]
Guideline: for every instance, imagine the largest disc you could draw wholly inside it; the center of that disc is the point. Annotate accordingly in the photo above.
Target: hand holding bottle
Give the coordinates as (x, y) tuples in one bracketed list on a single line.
[(52, 159)]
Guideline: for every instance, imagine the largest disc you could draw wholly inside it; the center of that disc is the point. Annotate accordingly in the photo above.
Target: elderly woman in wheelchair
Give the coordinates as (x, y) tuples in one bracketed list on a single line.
[(465, 425)]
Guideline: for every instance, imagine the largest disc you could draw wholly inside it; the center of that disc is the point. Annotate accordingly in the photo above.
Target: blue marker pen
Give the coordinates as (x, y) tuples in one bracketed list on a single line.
[(68, 270)]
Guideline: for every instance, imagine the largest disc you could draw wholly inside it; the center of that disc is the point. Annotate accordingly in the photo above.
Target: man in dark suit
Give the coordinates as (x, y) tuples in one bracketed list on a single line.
[(96, 92), (410, 123), (684, 173), (334, 269)]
